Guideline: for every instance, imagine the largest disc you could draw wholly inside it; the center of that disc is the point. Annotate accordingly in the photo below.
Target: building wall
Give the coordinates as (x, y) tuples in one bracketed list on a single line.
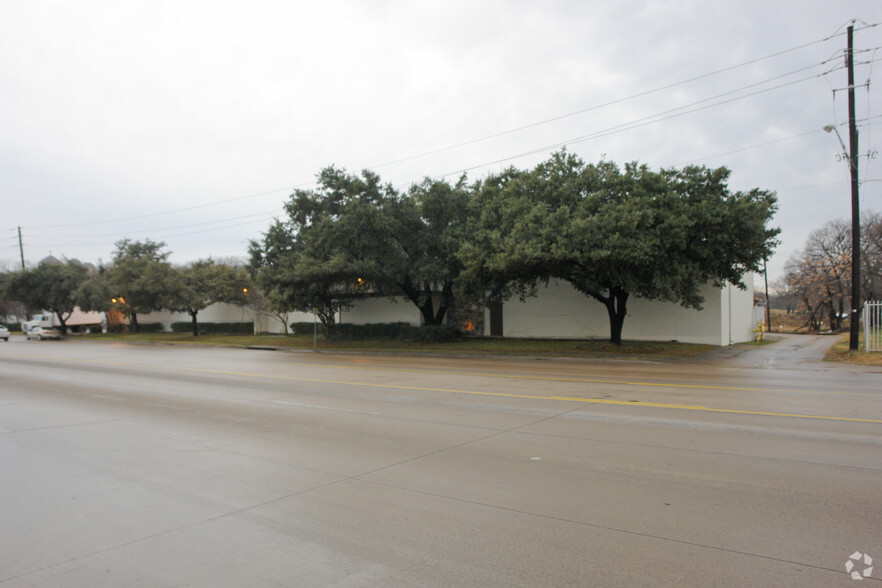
[(370, 310), (382, 310), (560, 311), (743, 312), (216, 313), (268, 324)]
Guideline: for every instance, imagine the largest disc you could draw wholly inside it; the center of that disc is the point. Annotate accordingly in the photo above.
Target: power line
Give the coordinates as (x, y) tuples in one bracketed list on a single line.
[(473, 141), (155, 214), (658, 117), (269, 213), (605, 104)]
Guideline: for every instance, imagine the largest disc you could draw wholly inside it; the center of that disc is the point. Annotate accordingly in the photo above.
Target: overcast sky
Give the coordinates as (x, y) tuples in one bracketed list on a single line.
[(191, 122)]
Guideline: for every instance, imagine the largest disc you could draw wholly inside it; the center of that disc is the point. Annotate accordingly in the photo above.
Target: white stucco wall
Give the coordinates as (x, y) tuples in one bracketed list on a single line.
[(743, 312), (560, 311), (381, 309), (269, 324), (216, 313)]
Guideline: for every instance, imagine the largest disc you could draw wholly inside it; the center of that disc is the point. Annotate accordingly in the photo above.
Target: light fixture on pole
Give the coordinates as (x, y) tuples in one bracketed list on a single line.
[(833, 129)]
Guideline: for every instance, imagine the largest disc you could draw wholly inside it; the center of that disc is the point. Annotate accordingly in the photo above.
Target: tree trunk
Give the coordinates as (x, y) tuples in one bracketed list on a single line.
[(425, 302), (427, 310), (616, 308), (62, 324), (445, 303), (326, 318), (133, 322), (193, 322)]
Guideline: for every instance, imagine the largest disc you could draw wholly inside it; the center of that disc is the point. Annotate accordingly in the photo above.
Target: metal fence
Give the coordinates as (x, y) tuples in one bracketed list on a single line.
[(873, 326)]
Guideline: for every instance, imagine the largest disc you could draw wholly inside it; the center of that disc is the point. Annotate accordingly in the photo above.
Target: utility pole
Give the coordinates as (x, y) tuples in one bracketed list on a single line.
[(21, 249), (855, 201)]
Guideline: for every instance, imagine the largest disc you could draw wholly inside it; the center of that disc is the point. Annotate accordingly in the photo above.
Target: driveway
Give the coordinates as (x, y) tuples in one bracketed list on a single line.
[(787, 351)]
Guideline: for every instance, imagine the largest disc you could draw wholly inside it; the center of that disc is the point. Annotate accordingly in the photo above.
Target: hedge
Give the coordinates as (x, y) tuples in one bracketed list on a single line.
[(404, 331), (246, 328)]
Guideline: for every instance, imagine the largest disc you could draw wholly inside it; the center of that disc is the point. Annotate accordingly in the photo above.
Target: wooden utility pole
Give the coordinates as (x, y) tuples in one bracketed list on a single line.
[(855, 201), (21, 249)]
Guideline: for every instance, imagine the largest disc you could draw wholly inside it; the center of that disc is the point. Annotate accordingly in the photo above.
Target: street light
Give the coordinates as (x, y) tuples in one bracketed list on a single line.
[(855, 233), (831, 129)]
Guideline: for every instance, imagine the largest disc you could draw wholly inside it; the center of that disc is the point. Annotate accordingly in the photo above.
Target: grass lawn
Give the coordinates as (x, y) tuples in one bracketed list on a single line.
[(465, 346), (839, 352)]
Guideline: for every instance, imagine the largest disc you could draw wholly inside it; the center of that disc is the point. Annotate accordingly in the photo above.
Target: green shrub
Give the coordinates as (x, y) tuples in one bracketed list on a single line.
[(431, 333), (303, 328), (370, 331), (403, 331), (150, 327), (354, 332), (246, 328)]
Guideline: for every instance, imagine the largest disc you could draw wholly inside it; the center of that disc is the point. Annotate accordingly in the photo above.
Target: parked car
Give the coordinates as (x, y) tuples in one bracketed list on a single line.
[(38, 332), (4, 333)]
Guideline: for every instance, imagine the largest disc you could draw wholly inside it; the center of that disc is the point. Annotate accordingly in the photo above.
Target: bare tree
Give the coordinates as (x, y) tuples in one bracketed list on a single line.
[(819, 277)]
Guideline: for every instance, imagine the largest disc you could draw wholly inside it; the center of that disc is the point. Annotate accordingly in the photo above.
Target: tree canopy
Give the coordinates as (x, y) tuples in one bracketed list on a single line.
[(49, 286), (353, 236), (206, 282), (614, 233), (139, 278)]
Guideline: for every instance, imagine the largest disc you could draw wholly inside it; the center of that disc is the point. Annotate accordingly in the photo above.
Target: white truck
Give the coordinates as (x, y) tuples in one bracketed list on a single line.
[(78, 322)]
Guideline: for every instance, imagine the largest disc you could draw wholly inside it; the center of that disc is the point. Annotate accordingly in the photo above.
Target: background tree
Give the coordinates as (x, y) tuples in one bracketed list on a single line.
[(268, 303), (871, 256), (305, 274), (800, 282), (95, 295), (426, 229), (140, 279), (49, 286), (204, 283), (827, 257), (354, 236), (820, 275), (613, 233), (9, 309)]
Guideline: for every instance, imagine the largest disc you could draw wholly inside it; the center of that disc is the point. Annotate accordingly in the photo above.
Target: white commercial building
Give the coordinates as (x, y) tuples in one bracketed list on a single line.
[(560, 311), (557, 311)]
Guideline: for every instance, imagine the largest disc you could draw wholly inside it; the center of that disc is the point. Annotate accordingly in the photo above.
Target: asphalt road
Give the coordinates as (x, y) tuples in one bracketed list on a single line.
[(126, 465)]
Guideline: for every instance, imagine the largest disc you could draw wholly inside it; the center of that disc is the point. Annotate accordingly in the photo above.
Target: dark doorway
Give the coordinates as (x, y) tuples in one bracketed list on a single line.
[(496, 320)]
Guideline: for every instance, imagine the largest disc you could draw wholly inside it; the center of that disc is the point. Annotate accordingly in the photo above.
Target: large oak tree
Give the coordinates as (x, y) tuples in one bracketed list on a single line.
[(615, 233), (353, 236)]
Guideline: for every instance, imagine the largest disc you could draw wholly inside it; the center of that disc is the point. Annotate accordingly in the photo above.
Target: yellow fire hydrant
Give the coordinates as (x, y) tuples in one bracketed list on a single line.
[(759, 330)]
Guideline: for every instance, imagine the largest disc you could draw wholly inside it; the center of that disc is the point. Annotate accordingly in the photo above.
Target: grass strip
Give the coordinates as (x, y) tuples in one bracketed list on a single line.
[(465, 346)]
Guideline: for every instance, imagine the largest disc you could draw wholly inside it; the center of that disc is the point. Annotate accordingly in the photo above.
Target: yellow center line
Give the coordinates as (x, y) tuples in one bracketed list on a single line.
[(584, 380), (560, 398), (606, 401)]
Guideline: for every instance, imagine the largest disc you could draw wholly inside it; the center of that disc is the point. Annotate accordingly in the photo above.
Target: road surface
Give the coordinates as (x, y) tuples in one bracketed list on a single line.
[(128, 465)]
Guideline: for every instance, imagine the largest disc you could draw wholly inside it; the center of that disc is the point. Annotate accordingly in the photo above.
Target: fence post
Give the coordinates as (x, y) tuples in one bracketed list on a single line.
[(873, 326)]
